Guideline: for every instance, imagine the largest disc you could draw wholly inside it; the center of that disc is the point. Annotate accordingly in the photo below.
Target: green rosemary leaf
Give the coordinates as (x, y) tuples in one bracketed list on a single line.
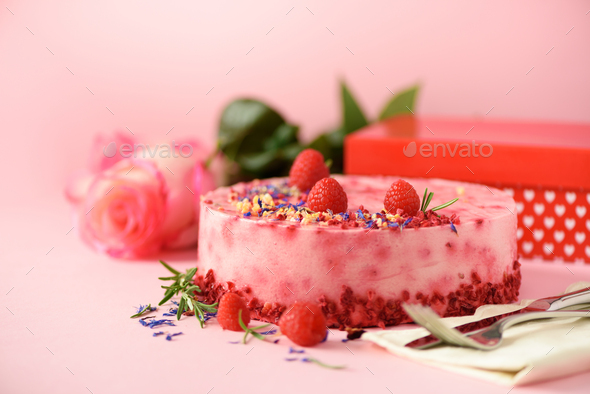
[(189, 302), (257, 335), (169, 268), (318, 362), (445, 204), (184, 286), (198, 313), (424, 200), (180, 309), (208, 308), (167, 296), (142, 311), (259, 327), (168, 277), (428, 201), (192, 288), (189, 274), (244, 327)]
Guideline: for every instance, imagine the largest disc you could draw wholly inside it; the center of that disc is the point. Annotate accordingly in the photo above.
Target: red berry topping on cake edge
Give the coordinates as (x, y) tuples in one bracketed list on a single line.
[(304, 324), (229, 310), (327, 194), (307, 169), (402, 195)]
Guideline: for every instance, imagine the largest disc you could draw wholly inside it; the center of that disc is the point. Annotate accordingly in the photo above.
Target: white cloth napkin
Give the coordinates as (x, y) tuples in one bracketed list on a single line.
[(530, 352)]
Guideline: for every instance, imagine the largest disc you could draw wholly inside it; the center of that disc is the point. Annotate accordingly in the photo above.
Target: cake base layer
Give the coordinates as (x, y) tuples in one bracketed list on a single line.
[(371, 309)]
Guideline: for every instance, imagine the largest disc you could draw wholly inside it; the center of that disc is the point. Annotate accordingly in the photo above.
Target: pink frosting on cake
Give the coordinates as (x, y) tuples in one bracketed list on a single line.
[(361, 276)]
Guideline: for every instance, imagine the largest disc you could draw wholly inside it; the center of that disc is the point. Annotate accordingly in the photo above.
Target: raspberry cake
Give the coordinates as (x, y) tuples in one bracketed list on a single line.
[(261, 241)]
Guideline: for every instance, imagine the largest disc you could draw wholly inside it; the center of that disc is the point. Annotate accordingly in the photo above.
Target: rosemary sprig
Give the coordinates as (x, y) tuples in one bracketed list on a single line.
[(426, 202), (184, 285), (445, 204), (321, 364), (142, 310), (250, 330)]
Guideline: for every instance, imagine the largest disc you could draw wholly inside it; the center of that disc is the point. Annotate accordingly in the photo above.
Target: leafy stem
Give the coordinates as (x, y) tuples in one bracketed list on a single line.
[(426, 201), (250, 330), (321, 364), (445, 204), (142, 310), (183, 284)]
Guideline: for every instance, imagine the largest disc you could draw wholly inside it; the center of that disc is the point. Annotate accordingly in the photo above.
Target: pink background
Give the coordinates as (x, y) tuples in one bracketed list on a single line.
[(62, 63), (151, 62)]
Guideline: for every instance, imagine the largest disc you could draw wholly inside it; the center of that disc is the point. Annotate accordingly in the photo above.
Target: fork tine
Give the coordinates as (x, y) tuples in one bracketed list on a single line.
[(438, 329), (428, 319), (417, 313)]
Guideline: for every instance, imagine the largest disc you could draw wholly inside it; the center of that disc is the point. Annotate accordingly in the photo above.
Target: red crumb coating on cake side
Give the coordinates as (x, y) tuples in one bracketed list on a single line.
[(354, 310), (361, 276)]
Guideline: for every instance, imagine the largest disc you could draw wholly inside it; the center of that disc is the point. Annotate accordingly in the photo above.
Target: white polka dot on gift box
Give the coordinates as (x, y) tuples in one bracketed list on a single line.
[(554, 224)]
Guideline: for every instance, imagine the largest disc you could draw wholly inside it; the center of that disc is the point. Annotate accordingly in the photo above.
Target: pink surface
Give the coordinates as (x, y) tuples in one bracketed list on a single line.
[(77, 304)]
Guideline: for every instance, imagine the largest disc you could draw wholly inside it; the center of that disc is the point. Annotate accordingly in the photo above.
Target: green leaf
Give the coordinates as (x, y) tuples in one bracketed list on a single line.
[(401, 103), (427, 203), (257, 162), (169, 268), (192, 288), (353, 117), (244, 124), (260, 327), (180, 308), (257, 335), (283, 135), (190, 303), (189, 274), (244, 327), (424, 200), (291, 151), (142, 311), (209, 308), (322, 145), (445, 204), (321, 364), (167, 296)]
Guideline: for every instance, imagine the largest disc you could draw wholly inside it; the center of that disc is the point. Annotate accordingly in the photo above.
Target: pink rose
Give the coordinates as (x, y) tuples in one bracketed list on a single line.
[(139, 206), (123, 211)]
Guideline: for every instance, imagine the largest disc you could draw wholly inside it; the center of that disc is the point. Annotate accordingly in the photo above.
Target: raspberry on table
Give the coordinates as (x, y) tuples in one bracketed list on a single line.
[(228, 312), (307, 169), (402, 195), (327, 194), (304, 324)]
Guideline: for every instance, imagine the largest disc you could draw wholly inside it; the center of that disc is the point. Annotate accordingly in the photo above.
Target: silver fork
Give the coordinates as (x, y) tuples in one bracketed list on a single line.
[(485, 339)]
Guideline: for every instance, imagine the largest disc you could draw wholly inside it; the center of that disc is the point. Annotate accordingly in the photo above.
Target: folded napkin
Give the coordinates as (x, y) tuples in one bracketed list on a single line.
[(530, 352)]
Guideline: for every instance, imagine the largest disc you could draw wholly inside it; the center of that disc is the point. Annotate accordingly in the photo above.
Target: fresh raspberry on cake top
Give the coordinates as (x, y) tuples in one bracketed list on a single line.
[(304, 324), (402, 195), (307, 169), (229, 310), (327, 194)]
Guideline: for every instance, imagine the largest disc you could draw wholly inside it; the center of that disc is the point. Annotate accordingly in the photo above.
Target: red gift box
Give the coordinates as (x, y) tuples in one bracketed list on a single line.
[(545, 166)]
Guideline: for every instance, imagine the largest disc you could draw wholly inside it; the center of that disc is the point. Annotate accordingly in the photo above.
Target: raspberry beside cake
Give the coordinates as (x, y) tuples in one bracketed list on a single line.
[(359, 265)]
